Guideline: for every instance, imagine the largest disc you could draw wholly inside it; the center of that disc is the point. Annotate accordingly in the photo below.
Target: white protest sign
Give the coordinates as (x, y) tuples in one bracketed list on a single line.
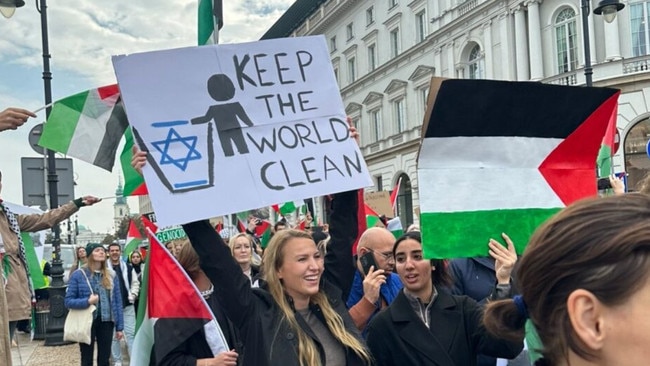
[(234, 127)]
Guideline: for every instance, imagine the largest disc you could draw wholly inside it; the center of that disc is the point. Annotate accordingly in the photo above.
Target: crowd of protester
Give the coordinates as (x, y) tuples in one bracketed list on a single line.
[(347, 296)]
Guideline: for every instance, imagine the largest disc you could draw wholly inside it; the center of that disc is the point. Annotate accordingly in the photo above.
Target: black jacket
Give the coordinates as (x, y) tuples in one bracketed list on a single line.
[(265, 335), (397, 336), (170, 330)]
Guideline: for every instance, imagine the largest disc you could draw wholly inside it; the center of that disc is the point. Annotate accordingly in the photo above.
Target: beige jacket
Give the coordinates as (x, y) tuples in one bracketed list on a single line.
[(17, 289)]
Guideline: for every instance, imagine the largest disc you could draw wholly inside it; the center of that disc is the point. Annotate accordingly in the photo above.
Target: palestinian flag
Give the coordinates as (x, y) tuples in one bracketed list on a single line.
[(266, 237), (171, 308), (606, 151), (148, 225), (87, 126), (133, 181), (210, 14), (371, 216), (133, 239), (288, 207), (395, 227), (393, 196), (501, 157)]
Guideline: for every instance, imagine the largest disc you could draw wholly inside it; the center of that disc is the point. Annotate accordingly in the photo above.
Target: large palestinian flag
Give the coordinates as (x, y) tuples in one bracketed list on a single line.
[(501, 157), (88, 126), (171, 309)]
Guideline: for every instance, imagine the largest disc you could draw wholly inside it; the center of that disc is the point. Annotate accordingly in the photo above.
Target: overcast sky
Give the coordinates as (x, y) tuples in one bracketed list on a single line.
[(83, 35)]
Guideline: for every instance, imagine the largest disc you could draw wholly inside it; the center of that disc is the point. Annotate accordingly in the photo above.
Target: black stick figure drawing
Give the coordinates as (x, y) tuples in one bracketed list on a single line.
[(226, 116)]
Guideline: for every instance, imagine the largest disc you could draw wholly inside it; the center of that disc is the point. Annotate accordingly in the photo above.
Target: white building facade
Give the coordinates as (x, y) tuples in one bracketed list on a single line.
[(384, 53)]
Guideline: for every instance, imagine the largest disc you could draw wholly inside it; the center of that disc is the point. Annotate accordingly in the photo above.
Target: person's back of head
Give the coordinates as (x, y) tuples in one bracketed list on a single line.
[(580, 269)]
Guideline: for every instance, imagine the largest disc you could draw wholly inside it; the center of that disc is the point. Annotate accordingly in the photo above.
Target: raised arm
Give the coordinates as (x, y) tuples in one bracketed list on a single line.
[(344, 230), (231, 286)]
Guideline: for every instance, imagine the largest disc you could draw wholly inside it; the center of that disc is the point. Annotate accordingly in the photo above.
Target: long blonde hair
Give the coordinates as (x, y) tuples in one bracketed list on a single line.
[(308, 354), (107, 280)]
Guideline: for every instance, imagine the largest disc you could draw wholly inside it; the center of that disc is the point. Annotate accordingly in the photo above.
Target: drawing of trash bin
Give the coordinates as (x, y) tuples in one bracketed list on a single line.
[(181, 154)]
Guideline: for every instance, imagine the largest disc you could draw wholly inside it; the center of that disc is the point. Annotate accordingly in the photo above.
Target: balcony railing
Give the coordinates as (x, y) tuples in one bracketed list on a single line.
[(636, 64), (466, 7), (568, 78)]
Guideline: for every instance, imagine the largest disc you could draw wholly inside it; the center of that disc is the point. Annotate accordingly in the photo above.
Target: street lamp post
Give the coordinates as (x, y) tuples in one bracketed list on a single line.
[(606, 8), (54, 331)]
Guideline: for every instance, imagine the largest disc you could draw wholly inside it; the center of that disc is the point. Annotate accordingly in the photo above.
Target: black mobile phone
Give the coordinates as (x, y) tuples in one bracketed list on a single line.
[(367, 261), (604, 183)]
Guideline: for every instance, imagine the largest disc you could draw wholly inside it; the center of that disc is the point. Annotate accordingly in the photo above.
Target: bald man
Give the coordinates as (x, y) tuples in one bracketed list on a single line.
[(375, 290)]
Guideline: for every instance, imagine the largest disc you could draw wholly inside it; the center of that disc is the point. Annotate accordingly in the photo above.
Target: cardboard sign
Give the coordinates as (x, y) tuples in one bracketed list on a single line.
[(380, 202), (233, 127)]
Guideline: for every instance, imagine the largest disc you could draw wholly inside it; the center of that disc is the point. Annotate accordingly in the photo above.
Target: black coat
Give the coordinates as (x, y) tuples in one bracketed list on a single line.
[(265, 335), (397, 336), (170, 330)]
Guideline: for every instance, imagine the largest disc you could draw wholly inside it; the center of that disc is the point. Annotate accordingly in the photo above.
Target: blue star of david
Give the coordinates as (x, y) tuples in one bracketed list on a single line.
[(174, 138)]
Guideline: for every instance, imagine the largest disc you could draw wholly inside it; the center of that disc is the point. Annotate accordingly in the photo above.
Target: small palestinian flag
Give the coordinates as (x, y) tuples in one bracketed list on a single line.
[(133, 181), (133, 239), (87, 126), (501, 157), (171, 307)]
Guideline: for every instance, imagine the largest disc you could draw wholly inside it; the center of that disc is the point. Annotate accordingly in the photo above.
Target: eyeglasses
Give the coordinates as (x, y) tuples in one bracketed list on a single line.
[(388, 256)]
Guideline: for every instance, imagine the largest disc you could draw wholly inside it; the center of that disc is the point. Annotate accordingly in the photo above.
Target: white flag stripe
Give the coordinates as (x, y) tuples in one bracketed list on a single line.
[(485, 152), (485, 189), (88, 136)]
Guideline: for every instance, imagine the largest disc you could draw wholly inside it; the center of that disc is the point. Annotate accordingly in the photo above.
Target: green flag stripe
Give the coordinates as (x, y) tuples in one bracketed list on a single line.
[(34, 265), (62, 123), (132, 180), (206, 21), (466, 234), (604, 161)]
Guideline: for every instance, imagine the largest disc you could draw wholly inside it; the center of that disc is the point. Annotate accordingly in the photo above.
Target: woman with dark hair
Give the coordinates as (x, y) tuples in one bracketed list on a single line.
[(584, 281), (425, 325), (195, 349), (136, 263)]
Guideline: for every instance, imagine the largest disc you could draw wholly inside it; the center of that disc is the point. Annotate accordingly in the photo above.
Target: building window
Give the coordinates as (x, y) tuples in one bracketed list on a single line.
[(370, 15), (375, 119), (394, 42), (352, 75), (392, 4), (424, 96), (637, 165), (421, 25), (372, 57), (475, 61), (349, 31), (333, 44), (336, 74), (380, 183), (639, 17), (566, 41), (400, 119)]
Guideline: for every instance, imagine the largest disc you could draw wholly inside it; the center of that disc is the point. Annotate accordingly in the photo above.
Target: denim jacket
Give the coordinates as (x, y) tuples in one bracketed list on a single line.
[(110, 305)]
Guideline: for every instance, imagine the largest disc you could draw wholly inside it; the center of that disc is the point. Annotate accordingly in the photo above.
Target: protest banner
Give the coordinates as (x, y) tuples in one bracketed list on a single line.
[(233, 127), (380, 202)]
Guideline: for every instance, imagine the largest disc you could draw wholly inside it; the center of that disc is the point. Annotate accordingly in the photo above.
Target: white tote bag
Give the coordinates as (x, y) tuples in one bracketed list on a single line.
[(79, 322)]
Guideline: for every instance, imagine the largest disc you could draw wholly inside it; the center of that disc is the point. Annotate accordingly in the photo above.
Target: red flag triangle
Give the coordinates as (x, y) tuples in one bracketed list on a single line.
[(580, 148), (171, 293)]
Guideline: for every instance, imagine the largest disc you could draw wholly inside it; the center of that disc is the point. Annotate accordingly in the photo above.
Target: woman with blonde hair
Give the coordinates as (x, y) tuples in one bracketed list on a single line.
[(584, 281), (241, 248), (298, 316), (79, 261), (96, 284)]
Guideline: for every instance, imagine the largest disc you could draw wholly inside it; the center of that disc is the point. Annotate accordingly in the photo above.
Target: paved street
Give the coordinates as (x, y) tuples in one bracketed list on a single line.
[(34, 353)]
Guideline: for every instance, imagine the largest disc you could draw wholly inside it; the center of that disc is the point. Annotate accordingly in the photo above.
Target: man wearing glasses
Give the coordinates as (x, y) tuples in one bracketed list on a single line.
[(376, 287)]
